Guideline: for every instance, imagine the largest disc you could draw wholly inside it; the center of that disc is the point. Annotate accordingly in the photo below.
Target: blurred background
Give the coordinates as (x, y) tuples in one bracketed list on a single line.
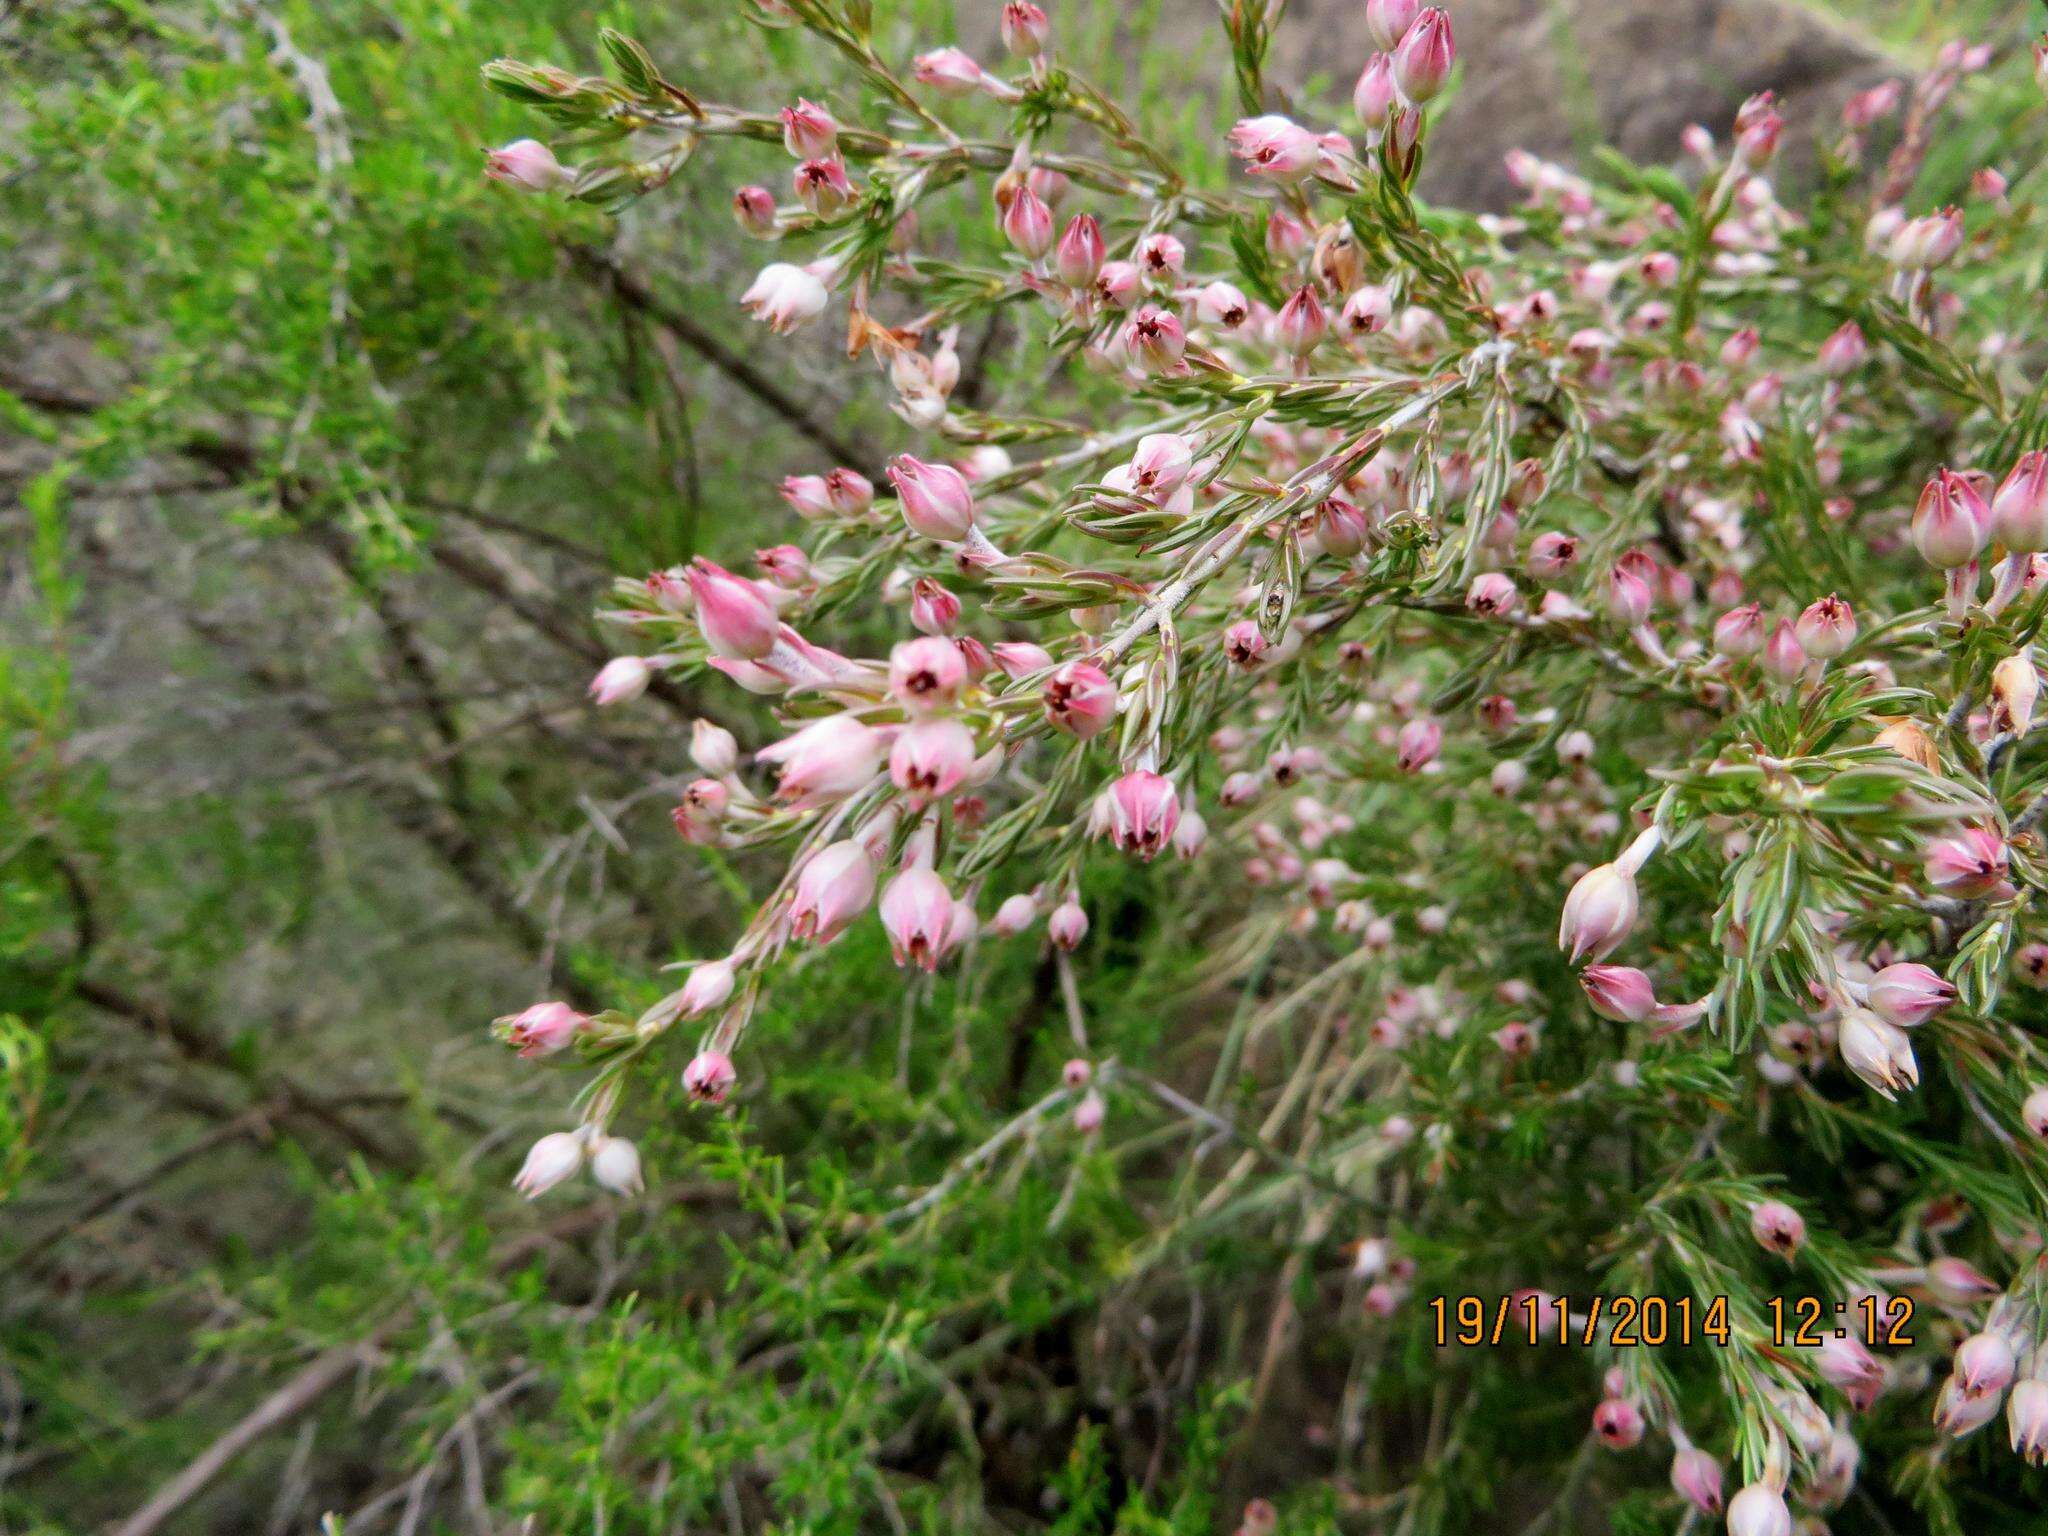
[(316, 456)]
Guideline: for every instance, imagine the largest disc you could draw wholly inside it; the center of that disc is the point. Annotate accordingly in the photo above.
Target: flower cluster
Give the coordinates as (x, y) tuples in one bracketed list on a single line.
[(1395, 567)]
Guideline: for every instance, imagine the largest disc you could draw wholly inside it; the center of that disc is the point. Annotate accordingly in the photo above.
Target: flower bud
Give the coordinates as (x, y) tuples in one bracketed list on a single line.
[(1598, 913), (1877, 1052), (1274, 147), (931, 758), (1422, 59), (553, 1158), (2034, 1113), (1079, 257), (1088, 1113), (808, 131), (1759, 1510), (1068, 925), (621, 680), (526, 164), (1844, 350), (926, 674), (1618, 992), (1373, 97), (1950, 521), (1144, 809), (2019, 510), (1984, 1364), (783, 297), (615, 1165), (1299, 327), (826, 760), (1908, 994), (1420, 741), (2026, 1416), (1223, 305), (1696, 1478), (1827, 628), (1388, 21), (1027, 223), (542, 1029), (1154, 338), (1618, 1423), (917, 914), (1025, 29), (949, 71), (935, 499), (1784, 657), (1628, 597), (1740, 631), (1970, 863)]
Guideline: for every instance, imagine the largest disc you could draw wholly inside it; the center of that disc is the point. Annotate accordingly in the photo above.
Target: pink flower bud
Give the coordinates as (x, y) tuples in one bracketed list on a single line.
[(1014, 916), (1618, 1423), (1342, 528), (1420, 741), (1025, 29), (1598, 913), (753, 209), (834, 887), (621, 680), (713, 748), (1080, 699), (1844, 1362), (542, 1029), (1908, 994), (1491, 595), (1759, 1510), (1161, 464), (1373, 97), (1144, 810), (1079, 257), (1740, 631), (1068, 925), (1027, 224), (1366, 311), (1190, 835), (1076, 1073), (1629, 597), (926, 674), (1844, 350), (1984, 1364), (1117, 283), (1931, 241), (1756, 141), (1388, 21), (917, 914), (615, 1165), (1301, 323), (1274, 147), (1088, 1113), (784, 297), (1970, 863), (828, 759), (1827, 628), (1424, 56), (931, 757), (1777, 1228), (809, 496), (1696, 1478), (1020, 658), (1619, 992), (2026, 1416), (1552, 555), (1162, 258), (1950, 521), (552, 1159), (526, 164), (808, 131), (948, 71), (709, 1077), (935, 498), (1154, 337), (1784, 657), (2019, 512), (1959, 1283)]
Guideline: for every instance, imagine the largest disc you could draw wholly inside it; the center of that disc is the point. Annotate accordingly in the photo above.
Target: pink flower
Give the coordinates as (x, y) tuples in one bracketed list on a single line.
[(927, 674), (828, 759), (931, 758), (615, 1165), (822, 187), (621, 680), (1984, 1365), (1080, 699), (1759, 1510), (1696, 1478), (1628, 596), (1908, 994), (783, 297), (1343, 528), (1740, 631), (1020, 658), (1373, 97), (850, 492), (1618, 1423), (1877, 1052), (552, 1159), (1844, 350), (2026, 1416), (1088, 1113), (1420, 741), (1424, 56), (1161, 464), (1144, 810), (1491, 595), (737, 621), (1014, 916), (1777, 1228), (1784, 657), (1843, 1362), (1274, 146), (1244, 643), (1223, 305), (1388, 21), (832, 889), (709, 1077), (1970, 863), (1154, 337), (542, 1029), (526, 164), (935, 499), (808, 131), (753, 209), (710, 986), (1079, 256), (1931, 241), (1025, 29), (1552, 554), (1117, 283), (917, 914)]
